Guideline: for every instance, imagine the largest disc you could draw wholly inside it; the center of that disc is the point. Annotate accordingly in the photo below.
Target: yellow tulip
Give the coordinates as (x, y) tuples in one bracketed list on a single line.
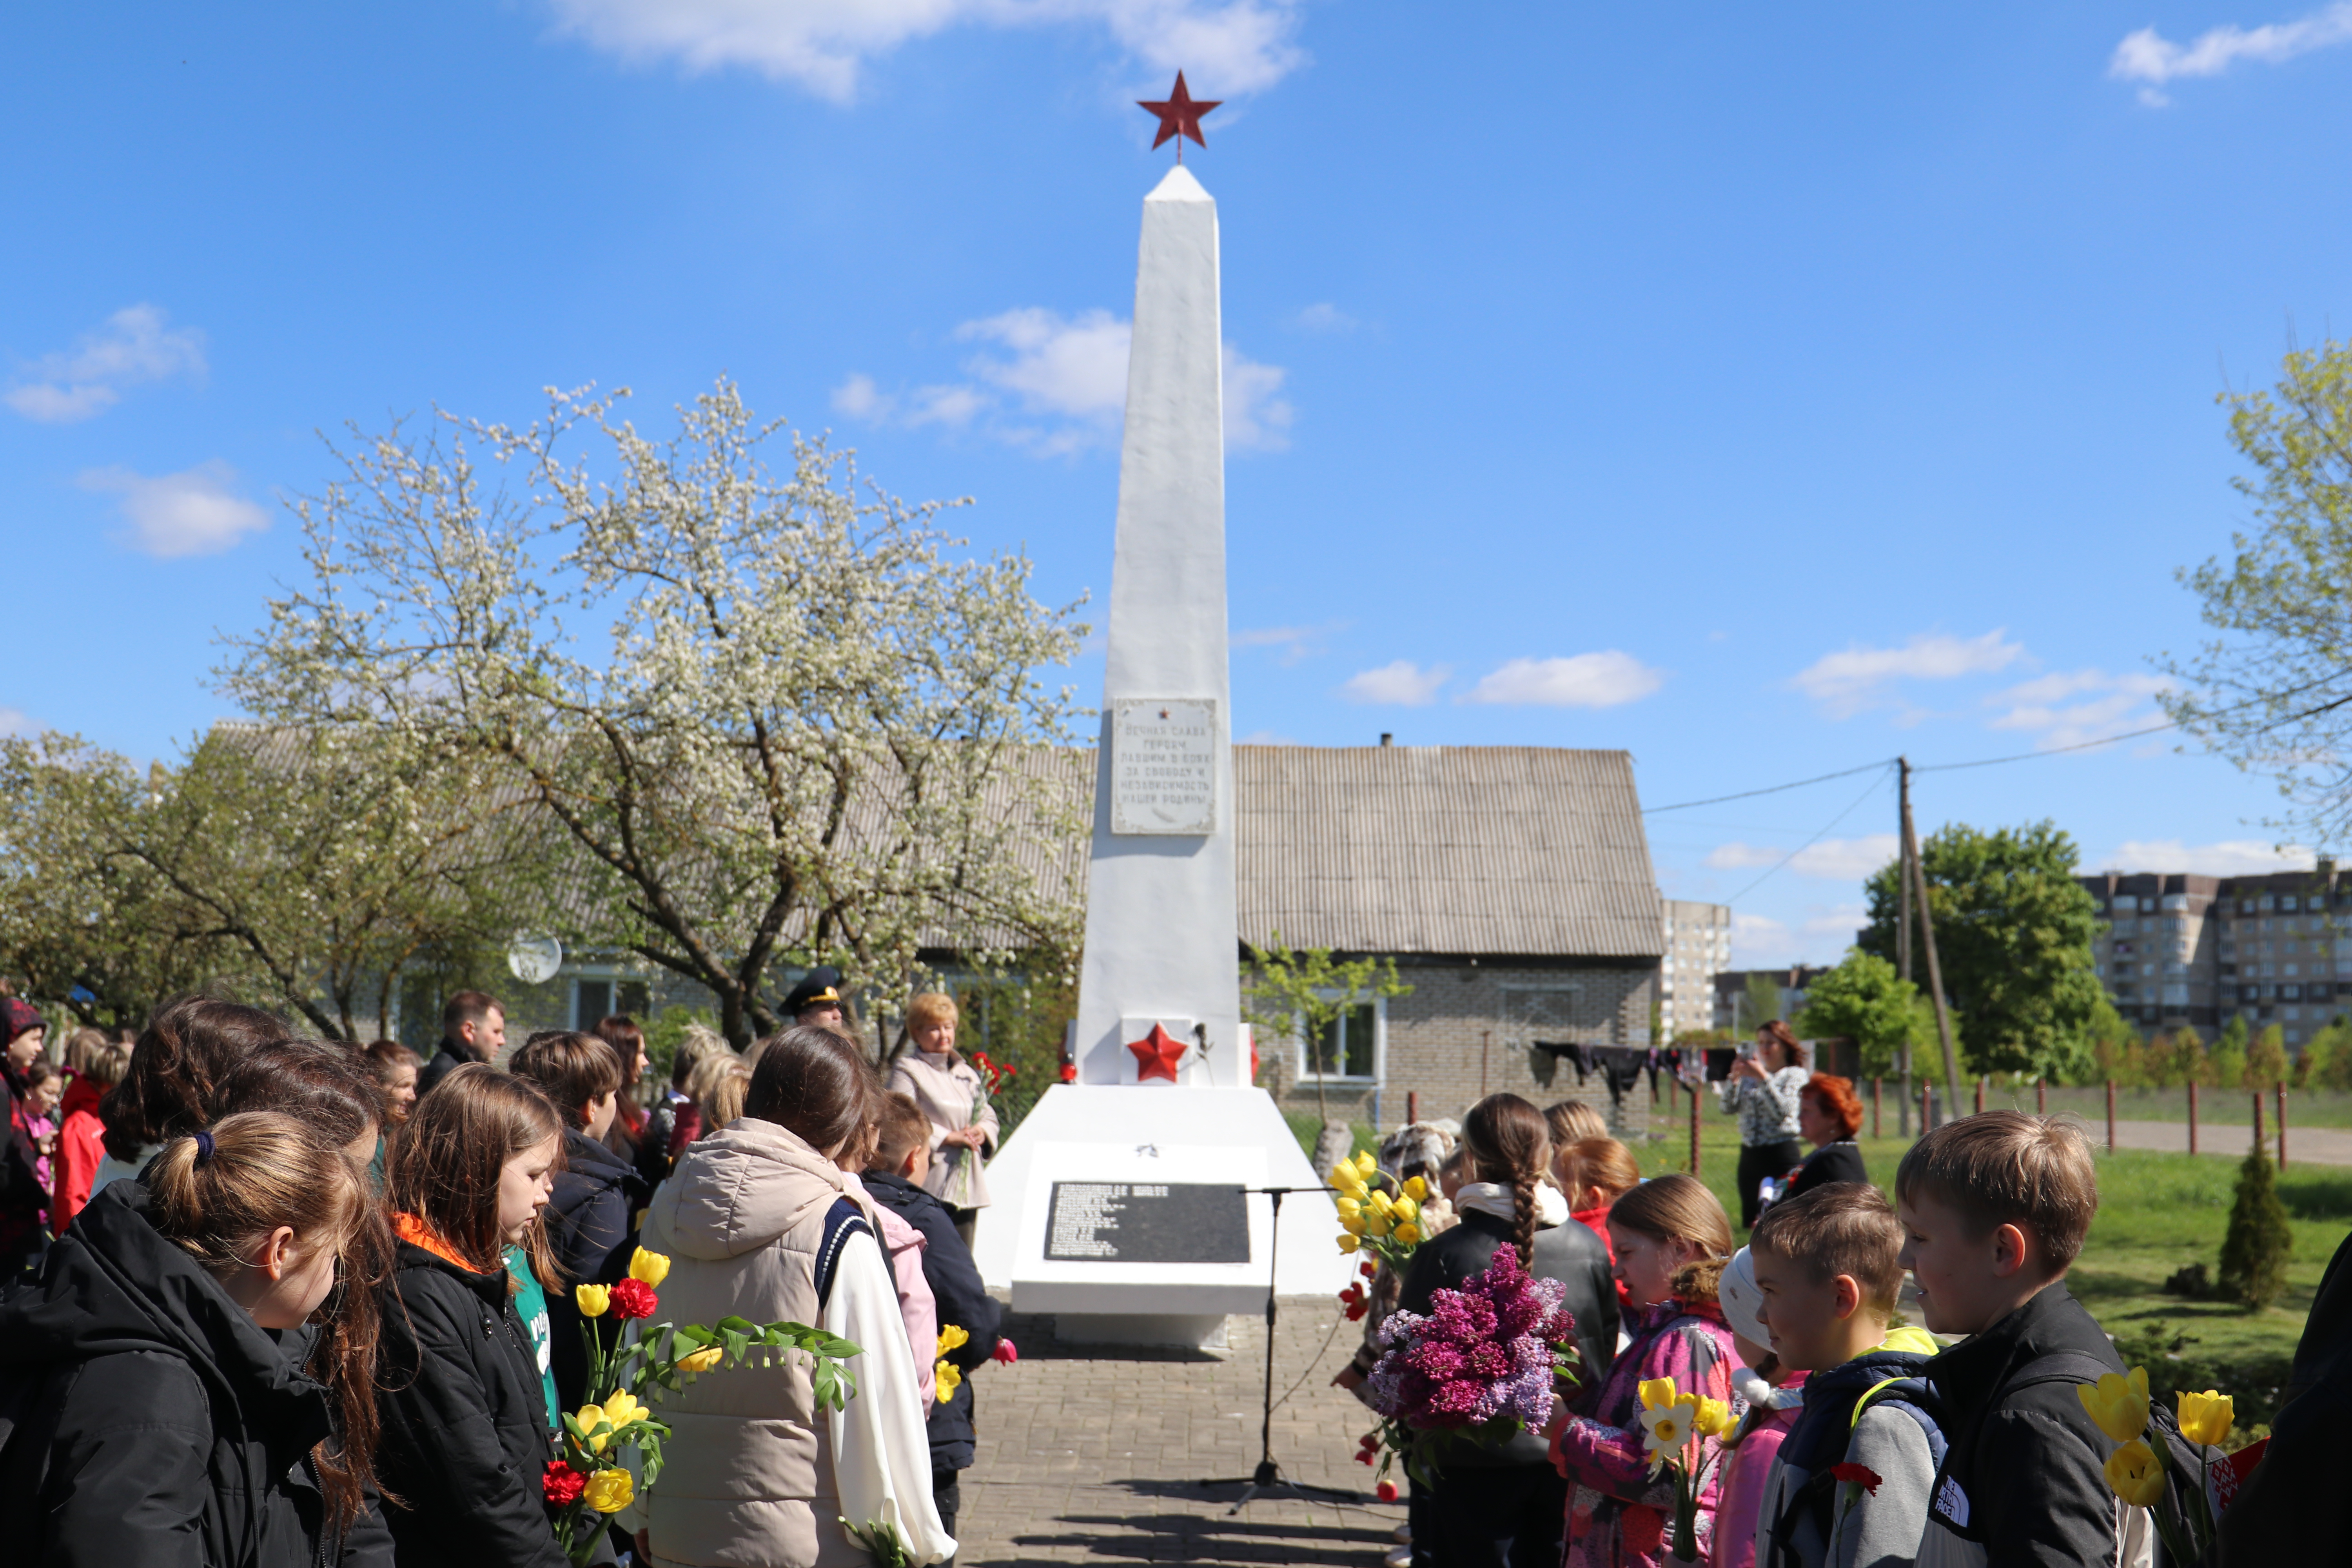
[(1348, 1207), (1415, 1188), (2118, 1403), (609, 1491), (1345, 1177), (1409, 1235), (1382, 1202), (595, 1300), (1406, 1209), (1713, 1418), (1376, 1225), (2206, 1417), (650, 1266), (1349, 1243), (1365, 1162), (589, 1417), (1657, 1392), (952, 1337), (2134, 1474), (946, 1379), (702, 1359), (621, 1409)]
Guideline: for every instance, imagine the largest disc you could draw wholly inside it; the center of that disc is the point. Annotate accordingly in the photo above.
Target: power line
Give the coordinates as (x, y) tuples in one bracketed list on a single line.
[(1875, 785), (1775, 789), (2047, 750)]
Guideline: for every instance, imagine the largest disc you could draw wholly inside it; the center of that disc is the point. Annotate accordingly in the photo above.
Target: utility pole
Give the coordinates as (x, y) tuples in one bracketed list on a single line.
[(1928, 930), (1903, 937)]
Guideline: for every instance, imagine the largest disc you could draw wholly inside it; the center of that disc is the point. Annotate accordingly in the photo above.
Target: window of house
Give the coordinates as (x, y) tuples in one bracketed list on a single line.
[(1346, 1047), (600, 996)]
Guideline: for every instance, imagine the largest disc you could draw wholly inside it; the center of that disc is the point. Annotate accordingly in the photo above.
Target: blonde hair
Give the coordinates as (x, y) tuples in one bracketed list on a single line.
[(719, 1085), (1601, 1162), (2004, 1167), (1845, 1228), (1573, 1121), (929, 1007), (698, 1040), (93, 1055), (1678, 1207)]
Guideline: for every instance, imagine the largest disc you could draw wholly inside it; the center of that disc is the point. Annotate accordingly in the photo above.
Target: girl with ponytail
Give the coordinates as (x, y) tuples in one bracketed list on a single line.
[(1672, 1239), (173, 1421), (1493, 1507)]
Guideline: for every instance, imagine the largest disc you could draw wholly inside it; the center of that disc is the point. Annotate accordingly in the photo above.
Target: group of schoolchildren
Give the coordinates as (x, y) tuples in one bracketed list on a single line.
[(318, 1304), (1859, 1443)]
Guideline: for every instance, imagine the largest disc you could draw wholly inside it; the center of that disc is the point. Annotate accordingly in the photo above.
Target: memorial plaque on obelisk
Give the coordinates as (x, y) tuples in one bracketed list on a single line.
[(1163, 766)]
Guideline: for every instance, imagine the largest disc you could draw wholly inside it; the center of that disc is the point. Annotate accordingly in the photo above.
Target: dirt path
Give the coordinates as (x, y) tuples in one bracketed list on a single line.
[(2316, 1145)]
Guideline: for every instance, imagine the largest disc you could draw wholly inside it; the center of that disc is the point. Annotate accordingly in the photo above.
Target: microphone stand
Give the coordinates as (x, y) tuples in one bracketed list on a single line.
[(1268, 1476)]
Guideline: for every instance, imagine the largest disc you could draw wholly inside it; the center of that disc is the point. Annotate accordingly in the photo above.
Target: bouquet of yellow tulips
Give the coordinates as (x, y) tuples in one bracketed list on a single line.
[(1370, 1221), (590, 1481), (2143, 1459), (1675, 1428)]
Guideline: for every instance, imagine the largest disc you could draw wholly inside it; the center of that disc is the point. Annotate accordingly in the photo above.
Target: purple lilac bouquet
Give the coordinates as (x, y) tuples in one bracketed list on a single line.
[(1484, 1362)]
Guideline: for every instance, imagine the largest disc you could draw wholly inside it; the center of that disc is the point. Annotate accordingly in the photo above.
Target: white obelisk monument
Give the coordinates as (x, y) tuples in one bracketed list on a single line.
[(1115, 1203)]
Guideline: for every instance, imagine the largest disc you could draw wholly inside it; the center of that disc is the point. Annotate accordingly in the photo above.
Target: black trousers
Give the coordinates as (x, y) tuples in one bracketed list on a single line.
[(1757, 1161), (947, 1496), (1502, 1516)]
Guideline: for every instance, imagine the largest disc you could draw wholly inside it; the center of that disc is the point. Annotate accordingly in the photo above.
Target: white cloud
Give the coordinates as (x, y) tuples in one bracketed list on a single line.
[(193, 512), (2229, 857), (1847, 682), (1402, 684), (15, 721), (1296, 643), (1840, 925), (1053, 384), (135, 346), (1228, 47), (2151, 59), (1834, 859), (1324, 317), (1759, 942), (1604, 679), (2111, 705)]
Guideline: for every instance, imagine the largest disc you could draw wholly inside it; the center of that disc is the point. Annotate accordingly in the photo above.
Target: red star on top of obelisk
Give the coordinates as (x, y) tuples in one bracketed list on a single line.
[(1180, 115), (1156, 1055)]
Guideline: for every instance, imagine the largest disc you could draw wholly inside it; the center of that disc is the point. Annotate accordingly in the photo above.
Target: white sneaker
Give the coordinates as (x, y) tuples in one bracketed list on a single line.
[(1399, 1557), (1404, 1534)]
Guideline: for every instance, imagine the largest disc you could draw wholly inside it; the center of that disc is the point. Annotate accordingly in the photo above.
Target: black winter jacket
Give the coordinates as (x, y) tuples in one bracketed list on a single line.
[(1840, 1162), (446, 1060), (1568, 1252), (164, 1428), (963, 1301), (2025, 1479), (465, 1442), (591, 1222), (2295, 1508)]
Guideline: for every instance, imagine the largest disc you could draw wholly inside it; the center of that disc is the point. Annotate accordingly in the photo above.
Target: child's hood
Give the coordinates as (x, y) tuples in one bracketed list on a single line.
[(737, 1190), (1911, 1338)]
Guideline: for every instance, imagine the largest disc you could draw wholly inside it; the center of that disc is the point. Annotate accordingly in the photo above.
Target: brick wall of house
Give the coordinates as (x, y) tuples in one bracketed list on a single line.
[(1463, 1026)]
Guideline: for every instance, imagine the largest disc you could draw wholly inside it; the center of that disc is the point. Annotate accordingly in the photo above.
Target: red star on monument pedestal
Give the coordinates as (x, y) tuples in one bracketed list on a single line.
[(1156, 1055), (1180, 115)]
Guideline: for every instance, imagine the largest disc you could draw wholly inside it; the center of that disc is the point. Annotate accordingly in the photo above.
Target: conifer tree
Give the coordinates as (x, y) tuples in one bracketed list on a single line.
[(2255, 1250)]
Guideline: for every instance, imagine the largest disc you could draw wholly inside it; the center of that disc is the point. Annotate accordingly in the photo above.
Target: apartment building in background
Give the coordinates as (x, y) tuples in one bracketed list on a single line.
[(1732, 1008), (1699, 948), (2177, 949)]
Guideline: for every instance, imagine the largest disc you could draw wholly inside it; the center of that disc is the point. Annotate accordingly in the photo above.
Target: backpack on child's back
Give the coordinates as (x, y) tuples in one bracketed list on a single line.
[(1816, 1494)]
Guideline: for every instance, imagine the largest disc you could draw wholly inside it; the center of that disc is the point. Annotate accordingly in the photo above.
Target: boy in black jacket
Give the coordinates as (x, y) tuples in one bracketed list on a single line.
[(894, 1178), (1994, 1210)]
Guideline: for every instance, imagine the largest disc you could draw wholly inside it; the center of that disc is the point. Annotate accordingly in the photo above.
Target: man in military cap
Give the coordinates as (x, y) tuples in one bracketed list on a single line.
[(817, 999)]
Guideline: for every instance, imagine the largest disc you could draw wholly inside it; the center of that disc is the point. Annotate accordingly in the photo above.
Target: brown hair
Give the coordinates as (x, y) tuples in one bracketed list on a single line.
[(37, 1072), (1573, 1121), (1778, 1032), (2005, 1167), (904, 1130), (444, 1164), (473, 1007), (1601, 1162), (1677, 1207), (628, 1041), (264, 1171), (184, 1051), (573, 1068), (385, 1058), (1507, 1139), (815, 1084), (323, 1087), (95, 1056), (1837, 1097), (1845, 1228), (699, 1041)]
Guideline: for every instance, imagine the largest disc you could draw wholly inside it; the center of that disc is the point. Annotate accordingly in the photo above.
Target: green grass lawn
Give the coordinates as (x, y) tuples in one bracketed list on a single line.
[(2157, 1213)]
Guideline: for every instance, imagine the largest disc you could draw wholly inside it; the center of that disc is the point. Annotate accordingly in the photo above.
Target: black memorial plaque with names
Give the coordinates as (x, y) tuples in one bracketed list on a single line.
[(1147, 1222)]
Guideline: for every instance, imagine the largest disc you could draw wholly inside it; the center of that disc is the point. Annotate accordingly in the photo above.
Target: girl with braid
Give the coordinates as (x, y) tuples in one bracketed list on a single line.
[(1501, 1507)]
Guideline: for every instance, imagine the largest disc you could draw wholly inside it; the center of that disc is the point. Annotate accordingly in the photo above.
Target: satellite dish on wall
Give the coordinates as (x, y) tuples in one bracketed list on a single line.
[(533, 957)]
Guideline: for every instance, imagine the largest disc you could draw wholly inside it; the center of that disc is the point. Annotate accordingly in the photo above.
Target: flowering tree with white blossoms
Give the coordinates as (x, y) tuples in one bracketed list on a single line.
[(759, 716)]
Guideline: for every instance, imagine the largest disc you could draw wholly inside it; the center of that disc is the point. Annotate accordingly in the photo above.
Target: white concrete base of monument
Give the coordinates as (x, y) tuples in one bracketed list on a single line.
[(1203, 1333), (1119, 1140)]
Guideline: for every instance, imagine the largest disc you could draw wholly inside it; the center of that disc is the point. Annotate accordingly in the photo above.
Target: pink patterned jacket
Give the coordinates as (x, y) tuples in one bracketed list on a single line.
[(1617, 1514)]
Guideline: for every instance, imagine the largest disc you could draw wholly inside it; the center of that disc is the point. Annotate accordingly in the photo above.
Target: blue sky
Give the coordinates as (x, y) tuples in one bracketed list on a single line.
[(1764, 394)]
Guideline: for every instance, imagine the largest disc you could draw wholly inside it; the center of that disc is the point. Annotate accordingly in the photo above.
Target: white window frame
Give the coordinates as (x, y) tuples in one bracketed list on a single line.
[(1304, 1059)]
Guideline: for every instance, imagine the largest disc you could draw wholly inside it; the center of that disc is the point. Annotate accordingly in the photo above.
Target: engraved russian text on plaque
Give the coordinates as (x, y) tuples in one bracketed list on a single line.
[(1140, 1222), (1163, 776)]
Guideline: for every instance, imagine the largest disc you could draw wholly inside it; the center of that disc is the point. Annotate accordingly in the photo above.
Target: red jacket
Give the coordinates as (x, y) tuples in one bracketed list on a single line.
[(80, 1147)]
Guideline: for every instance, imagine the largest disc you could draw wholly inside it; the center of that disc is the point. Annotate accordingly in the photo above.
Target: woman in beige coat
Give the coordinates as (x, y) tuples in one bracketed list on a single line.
[(955, 1097), (758, 1222)]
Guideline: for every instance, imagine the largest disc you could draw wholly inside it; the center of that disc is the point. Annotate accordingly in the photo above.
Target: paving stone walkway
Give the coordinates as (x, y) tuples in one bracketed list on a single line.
[(1100, 1453)]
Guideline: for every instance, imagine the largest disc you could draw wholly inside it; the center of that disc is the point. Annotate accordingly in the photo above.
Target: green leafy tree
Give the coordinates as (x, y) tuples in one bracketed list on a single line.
[(2326, 1059), (2260, 1242), (2266, 1059), (1763, 1002), (2013, 931), (2273, 691), (1303, 995), (1865, 1000), (2224, 1066)]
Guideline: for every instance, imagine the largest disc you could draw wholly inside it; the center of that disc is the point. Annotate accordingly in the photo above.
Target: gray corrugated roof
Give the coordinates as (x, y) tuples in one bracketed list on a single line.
[(1445, 849)]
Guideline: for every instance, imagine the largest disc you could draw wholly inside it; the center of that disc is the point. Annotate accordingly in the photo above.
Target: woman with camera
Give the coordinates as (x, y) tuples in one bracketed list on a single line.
[(1764, 1089)]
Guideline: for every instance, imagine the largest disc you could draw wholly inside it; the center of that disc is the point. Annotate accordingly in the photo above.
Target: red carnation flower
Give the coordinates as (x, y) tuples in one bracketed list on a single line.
[(1861, 1475), (633, 1299), (564, 1484), (1385, 1492)]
